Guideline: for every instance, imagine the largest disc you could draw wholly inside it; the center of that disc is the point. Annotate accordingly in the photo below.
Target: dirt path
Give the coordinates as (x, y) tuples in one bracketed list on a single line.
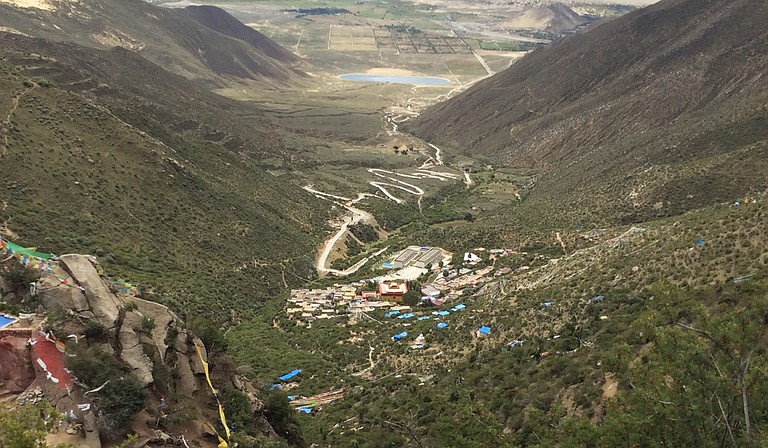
[(468, 180), (370, 361), (7, 121), (357, 215), (562, 243), (391, 181)]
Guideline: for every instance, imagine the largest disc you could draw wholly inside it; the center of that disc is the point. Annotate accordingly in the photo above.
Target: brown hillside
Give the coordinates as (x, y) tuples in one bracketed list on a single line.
[(661, 110), (555, 17), (219, 20), (167, 37)]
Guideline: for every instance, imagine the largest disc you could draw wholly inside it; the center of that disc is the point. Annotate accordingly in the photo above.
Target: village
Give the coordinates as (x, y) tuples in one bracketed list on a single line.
[(390, 293)]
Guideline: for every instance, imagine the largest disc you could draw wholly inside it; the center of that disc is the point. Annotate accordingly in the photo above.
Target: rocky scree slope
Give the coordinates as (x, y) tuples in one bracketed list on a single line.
[(660, 111)]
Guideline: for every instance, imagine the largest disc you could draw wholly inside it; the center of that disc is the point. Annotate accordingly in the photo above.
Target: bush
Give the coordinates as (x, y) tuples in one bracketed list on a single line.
[(147, 324), (209, 333), (122, 396), (94, 331), (26, 426), (283, 419), (18, 278)]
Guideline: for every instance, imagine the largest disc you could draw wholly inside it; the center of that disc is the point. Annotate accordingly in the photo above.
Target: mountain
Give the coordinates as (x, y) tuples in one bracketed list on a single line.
[(556, 17), (105, 152), (223, 22), (168, 37), (660, 111)]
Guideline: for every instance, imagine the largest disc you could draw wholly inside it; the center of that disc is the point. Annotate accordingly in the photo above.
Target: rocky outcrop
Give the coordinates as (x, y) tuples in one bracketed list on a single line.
[(103, 304), (16, 373), (57, 289), (132, 350), (146, 337)]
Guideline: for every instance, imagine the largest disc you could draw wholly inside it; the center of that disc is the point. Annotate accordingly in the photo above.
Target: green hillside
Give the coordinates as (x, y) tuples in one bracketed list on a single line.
[(109, 154)]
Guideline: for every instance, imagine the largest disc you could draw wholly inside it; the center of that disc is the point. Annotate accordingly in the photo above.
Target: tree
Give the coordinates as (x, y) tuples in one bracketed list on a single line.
[(209, 333), (704, 380), (27, 425)]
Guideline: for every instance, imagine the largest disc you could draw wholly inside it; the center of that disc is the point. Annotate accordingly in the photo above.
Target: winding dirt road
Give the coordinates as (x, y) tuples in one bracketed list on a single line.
[(391, 180)]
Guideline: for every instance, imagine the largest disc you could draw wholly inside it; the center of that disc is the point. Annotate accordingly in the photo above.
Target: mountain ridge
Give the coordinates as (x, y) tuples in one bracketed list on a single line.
[(669, 86), (165, 36)]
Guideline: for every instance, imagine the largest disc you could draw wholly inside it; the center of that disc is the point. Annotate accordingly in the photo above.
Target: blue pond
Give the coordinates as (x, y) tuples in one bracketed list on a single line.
[(416, 80), (5, 320)]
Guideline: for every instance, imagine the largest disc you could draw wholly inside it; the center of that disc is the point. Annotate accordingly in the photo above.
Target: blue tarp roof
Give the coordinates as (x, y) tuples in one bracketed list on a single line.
[(305, 410), (597, 299), (391, 313), (460, 306), (442, 325), (388, 265), (406, 316), (443, 313), (484, 330), (424, 318), (548, 304), (290, 375), (399, 336)]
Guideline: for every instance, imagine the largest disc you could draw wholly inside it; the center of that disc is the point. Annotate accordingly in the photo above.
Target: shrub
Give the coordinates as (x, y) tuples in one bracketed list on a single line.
[(122, 396), (94, 331), (147, 324)]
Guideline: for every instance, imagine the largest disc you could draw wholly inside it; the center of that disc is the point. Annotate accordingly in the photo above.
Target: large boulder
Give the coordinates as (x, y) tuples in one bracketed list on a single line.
[(164, 319), (57, 289), (132, 351), (16, 371), (186, 383), (104, 305)]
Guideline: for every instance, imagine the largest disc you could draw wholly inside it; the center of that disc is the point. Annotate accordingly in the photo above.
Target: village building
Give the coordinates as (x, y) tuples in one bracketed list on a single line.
[(393, 290), (471, 258)]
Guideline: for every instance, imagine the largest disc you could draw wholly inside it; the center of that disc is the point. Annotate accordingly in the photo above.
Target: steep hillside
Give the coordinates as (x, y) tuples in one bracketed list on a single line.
[(123, 365), (660, 111), (219, 20), (167, 37), (105, 152)]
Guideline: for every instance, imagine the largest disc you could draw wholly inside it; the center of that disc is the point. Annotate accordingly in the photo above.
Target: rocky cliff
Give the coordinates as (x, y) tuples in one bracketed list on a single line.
[(83, 326)]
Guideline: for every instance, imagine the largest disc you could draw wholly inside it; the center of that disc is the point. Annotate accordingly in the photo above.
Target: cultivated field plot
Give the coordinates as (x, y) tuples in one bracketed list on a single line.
[(408, 40), (352, 38)]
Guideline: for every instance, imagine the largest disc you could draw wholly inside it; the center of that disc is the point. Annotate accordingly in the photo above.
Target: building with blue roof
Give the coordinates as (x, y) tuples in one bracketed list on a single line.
[(483, 331), (399, 336), (289, 375)]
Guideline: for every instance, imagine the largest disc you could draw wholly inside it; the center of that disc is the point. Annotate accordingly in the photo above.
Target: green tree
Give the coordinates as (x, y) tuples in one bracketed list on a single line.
[(26, 426), (704, 380)]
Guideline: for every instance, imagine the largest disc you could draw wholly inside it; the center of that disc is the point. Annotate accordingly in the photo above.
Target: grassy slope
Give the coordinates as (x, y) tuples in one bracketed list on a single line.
[(109, 154), (480, 387)]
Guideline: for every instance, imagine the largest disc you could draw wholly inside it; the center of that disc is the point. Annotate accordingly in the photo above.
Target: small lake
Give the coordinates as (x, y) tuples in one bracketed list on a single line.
[(416, 80)]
